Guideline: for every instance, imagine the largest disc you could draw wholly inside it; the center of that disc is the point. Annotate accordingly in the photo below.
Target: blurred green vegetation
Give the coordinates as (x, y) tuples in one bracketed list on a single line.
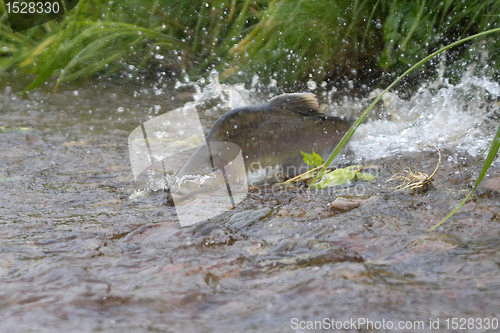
[(291, 41)]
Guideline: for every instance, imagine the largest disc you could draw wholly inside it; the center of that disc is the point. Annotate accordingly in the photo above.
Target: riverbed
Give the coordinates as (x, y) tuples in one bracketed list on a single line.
[(84, 249)]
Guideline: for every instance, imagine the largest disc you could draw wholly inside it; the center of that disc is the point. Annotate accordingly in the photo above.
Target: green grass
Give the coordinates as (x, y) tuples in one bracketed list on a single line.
[(291, 41)]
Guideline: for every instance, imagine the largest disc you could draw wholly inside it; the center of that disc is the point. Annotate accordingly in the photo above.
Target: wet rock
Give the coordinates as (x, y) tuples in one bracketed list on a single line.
[(246, 218), (493, 184), (4, 266), (339, 254), (304, 208), (300, 246), (310, 252), (421, 247), (33, 140), (54, 240), (205, 228), (139, 231), (344, 204), (213, 234)]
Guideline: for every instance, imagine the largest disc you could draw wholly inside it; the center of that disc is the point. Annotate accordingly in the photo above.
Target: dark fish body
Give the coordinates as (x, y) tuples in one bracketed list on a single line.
[(271, 137)]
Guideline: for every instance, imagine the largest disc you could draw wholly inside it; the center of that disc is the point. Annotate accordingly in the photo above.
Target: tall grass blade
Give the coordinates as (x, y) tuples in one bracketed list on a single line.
[(358, 122), (495, 144)]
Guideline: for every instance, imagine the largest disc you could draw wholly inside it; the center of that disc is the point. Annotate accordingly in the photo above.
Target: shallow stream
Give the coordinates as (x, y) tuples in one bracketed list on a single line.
[(83, 250)]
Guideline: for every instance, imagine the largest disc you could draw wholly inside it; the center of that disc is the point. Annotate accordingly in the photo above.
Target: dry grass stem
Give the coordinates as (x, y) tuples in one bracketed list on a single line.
[(303, 176), (415, 180)]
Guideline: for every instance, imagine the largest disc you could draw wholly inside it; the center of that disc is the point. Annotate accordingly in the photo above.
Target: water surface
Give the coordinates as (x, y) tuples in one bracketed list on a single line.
[(82, 250)]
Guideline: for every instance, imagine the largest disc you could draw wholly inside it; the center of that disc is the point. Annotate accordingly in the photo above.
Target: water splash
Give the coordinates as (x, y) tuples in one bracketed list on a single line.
[(453, 116), (460, 116), (176, 183), (224, 96)]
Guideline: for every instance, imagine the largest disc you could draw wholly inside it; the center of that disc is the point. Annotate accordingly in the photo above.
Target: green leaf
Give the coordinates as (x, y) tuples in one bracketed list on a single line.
[(337, 177), (308, 158), (313, 160), (318, 160), (365, 176)]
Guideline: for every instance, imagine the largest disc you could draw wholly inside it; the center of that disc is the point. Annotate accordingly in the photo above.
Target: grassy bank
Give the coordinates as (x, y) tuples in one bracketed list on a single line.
[(290, 41)]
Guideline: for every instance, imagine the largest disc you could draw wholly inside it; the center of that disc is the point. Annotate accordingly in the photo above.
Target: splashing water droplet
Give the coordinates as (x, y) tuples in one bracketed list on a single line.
[(311, 85)]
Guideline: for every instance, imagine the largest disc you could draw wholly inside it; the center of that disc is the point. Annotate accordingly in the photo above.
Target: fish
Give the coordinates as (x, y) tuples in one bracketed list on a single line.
[(270, 137)]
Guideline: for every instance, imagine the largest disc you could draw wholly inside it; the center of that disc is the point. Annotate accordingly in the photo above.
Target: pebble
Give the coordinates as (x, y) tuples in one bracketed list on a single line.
[(342, 205)]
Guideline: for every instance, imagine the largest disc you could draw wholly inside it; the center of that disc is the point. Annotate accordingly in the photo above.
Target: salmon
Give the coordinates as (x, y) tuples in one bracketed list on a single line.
[(270, 137)]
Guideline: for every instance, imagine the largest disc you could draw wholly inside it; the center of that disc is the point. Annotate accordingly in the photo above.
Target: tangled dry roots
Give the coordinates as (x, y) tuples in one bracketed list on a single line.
[(415, 181)]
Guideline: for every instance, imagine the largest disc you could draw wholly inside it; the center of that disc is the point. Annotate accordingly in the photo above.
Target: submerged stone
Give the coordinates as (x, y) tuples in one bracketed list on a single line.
[(247, 218)]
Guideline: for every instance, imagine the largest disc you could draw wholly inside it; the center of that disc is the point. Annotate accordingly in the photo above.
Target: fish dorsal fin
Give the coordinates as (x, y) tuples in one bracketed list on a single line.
[(303, 103)]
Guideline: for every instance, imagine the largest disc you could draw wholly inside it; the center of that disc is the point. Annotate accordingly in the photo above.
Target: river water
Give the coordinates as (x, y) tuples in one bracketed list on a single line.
[(84, 249)]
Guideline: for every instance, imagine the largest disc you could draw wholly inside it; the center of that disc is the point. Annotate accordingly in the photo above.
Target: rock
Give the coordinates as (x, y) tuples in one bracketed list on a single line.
[(247, 218), (493, 184), (307, 252), (342, 205)]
